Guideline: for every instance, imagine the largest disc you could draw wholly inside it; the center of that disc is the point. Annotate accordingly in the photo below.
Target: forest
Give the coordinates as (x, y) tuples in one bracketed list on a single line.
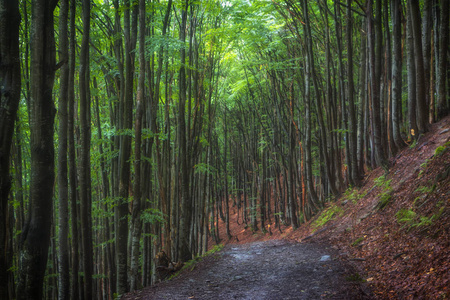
[(130, 127)]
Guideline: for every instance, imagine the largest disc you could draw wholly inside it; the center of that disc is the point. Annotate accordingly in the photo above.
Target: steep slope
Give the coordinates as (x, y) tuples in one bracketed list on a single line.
[(395, 228)]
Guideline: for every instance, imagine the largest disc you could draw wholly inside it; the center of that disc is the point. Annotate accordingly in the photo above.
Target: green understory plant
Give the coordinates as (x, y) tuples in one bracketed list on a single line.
[(411, 219), (386, 194), (354, 195), (327, 215), (357, 241)]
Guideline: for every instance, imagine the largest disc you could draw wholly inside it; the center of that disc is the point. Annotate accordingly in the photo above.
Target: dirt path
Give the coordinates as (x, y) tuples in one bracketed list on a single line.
[(273, 269)]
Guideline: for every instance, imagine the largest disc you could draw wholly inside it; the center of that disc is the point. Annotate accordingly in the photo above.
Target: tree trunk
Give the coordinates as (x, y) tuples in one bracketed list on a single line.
[(422, 107), (308, 74), (130, 33), (411, 67), (354, 170), (396, 10), (427, 25), (63, 233), (85, 165), (137, 203), (72, 166), (362, 102), (10, 82), (35, 237), (184, 251), (443, 107), (375, 67)]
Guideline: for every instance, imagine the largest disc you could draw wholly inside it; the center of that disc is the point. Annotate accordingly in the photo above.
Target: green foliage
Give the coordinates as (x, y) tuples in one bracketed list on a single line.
[(152, 216), (357, 241), (425, 189), (384, 199), (441, 149), (412, 220), (353, 194), (204, 168), (383, 182), (386, 194), (423, 166), (327, 215), (405, 216)]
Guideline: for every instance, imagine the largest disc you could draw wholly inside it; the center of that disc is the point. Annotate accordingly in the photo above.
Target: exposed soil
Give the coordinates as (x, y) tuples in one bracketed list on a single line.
[(273, 269)]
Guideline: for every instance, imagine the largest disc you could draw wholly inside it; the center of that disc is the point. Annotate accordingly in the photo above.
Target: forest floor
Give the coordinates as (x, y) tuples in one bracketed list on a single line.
[(388, 239)]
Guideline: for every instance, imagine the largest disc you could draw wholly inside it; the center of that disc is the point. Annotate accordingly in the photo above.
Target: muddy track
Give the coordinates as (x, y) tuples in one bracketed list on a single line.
[(264, 270)]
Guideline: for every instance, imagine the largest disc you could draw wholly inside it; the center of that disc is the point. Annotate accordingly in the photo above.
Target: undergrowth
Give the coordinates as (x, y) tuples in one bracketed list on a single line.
[(358, 241), (354, 195), (327, 215), (386, 194)]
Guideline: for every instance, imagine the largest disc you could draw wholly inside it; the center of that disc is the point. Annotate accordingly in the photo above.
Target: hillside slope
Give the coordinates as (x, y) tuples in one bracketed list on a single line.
[(394, 228)]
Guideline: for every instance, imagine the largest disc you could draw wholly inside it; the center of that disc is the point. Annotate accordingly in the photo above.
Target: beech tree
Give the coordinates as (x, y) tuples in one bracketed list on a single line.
[(10, 84), (35, 237)]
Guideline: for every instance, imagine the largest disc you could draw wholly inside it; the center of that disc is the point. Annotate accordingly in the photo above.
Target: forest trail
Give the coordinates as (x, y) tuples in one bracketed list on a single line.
[(274, 269)]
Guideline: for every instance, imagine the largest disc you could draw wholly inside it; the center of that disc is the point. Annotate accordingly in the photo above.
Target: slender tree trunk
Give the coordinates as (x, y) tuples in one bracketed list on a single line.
[(362, 102), (63, 233), (10, 83), (375, 67), (130, 32), (35, 237), (184, 251), (72, 166), (411, 67), (227, 206), (354, 171), (427, 25), (443, 107), (137, 203), (396, 9), (308, 74), (85, 166), (422, 107)]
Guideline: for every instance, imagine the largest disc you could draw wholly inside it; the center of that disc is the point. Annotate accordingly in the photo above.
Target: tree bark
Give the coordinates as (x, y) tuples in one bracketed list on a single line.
[(85, 166), (422, 107), (443, 107), (10, 83), (375, 67), (308, 74), (396, 11), (130, 33), (35, 237), (72, 165), (184, 251), (63, 193), (411, 67), (354, 170), (137, 203)]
